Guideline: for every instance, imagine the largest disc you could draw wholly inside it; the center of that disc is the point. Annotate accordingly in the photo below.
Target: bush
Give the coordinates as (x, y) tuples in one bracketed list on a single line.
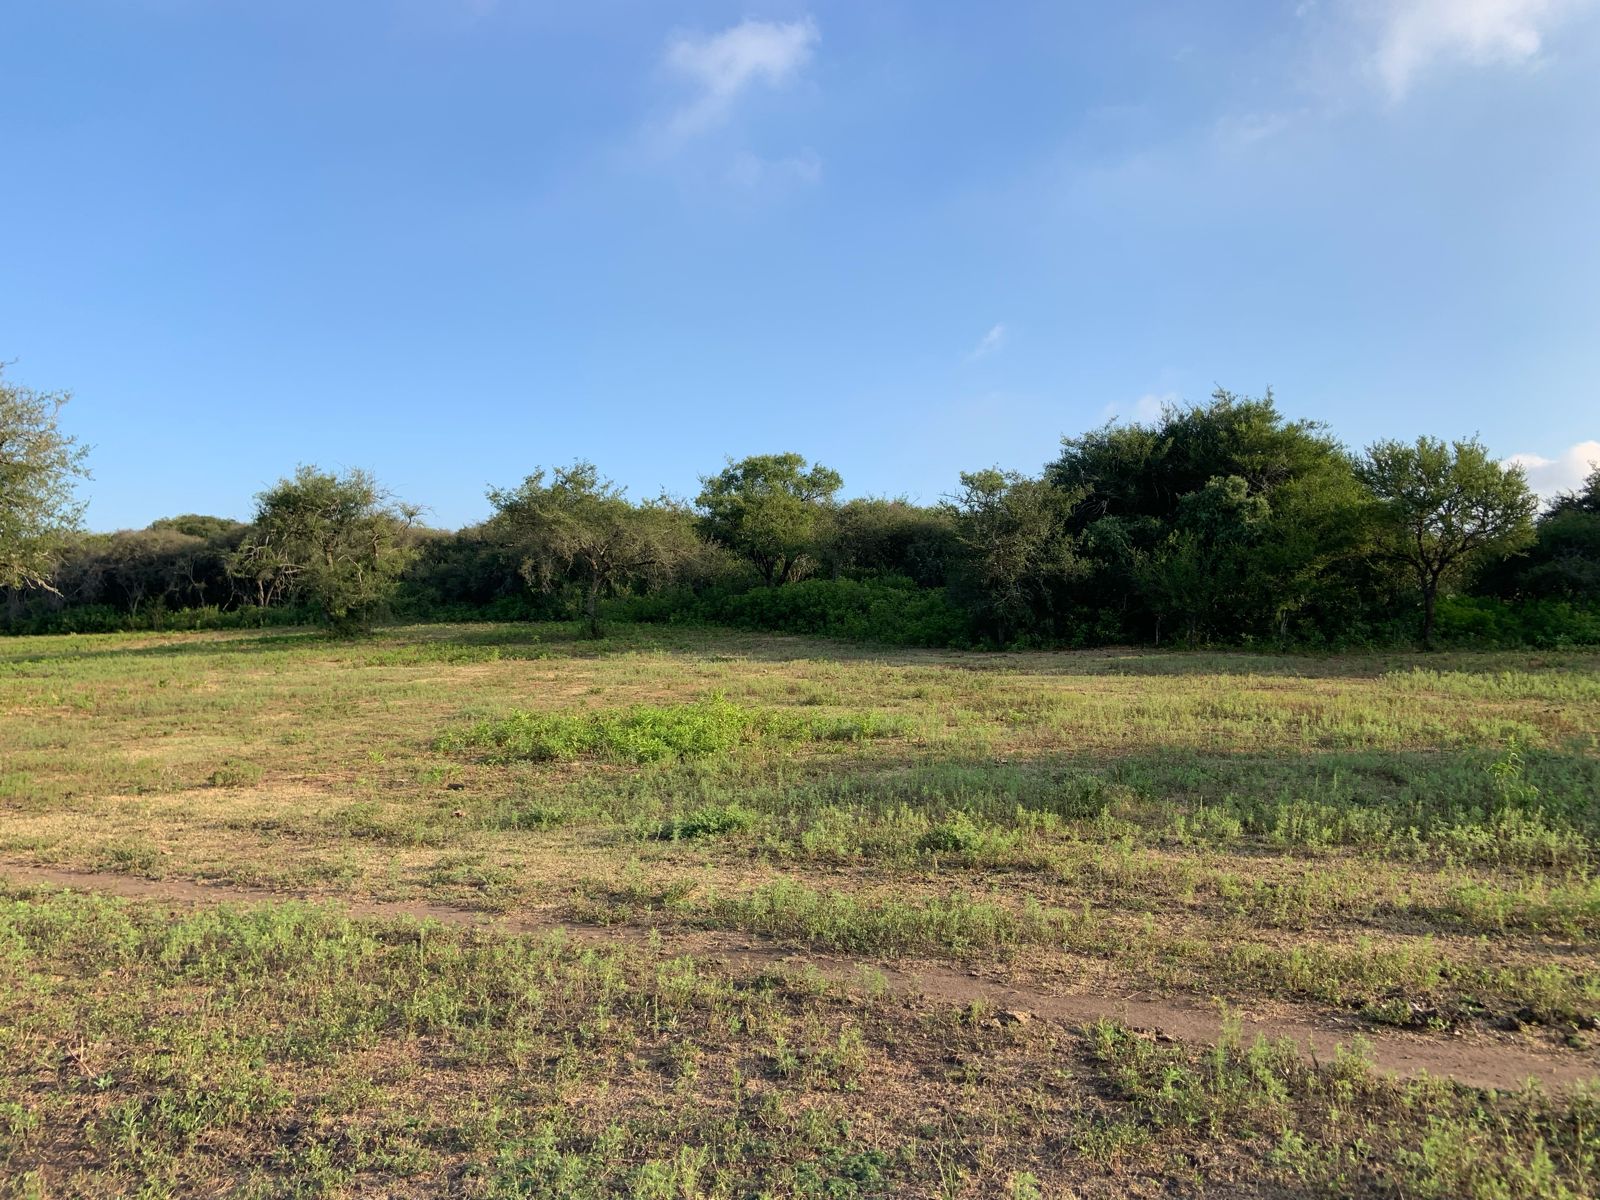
[(709, 821), (641, 734), (1544, 624), (889, 611), (648, 733), (102, 618), (416, 605)]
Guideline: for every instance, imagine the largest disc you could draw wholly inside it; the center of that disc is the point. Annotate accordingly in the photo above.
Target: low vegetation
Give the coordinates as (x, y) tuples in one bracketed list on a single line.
[(760, 849), (649, 733), (291, 1051)]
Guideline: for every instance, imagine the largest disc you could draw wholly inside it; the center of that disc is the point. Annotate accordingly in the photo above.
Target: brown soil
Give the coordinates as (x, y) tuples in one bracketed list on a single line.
[(1479, 1059)]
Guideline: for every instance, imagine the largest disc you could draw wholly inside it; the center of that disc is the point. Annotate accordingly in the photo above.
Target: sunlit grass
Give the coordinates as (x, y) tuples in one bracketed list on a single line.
[(1395, 839)]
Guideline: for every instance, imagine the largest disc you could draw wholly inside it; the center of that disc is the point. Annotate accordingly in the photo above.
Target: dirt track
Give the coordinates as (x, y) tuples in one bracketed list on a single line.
[(1479, 1060)]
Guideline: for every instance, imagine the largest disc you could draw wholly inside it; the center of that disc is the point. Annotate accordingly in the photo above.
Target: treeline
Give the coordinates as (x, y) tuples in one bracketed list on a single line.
[(1221, 523)]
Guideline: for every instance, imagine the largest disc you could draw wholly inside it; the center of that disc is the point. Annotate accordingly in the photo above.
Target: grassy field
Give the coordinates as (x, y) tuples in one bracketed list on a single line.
[(489, 911)]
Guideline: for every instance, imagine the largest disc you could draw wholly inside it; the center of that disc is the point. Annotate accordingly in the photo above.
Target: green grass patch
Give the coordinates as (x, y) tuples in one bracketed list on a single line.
[(651, 733)]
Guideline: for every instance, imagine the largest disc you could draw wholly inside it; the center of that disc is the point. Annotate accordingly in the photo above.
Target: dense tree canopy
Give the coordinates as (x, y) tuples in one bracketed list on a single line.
[(1563, 563), (876, 537), (1221, 522), (1018, 554)]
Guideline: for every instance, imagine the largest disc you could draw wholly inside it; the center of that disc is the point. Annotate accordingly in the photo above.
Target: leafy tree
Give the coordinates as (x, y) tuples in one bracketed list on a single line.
[(39, 466), (475, 566), (1203, 569), (1564, 561), (1018, 552), (1585, 500), (581, 529), (1446, 509), (338, 543), (874, 537), (1137, 521), (1145, 470), (200, 525), (771, 510)]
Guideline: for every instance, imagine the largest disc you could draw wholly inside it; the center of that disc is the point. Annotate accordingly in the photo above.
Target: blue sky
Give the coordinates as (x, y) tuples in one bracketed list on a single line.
[(452, 240)]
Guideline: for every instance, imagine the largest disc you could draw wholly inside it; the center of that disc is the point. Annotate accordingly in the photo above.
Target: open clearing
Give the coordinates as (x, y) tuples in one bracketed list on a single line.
[(489, 911)]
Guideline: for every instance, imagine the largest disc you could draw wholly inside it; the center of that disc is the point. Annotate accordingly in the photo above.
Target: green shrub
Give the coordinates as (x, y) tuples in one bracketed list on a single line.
[(103, 618), (650, 733), (890, 611), (957, 834), (710, 821), (1546, 624), (235, 772)]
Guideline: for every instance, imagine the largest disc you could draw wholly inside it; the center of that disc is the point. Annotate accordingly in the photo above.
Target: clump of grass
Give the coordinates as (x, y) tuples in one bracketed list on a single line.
[(650, 733), (956, 834), (234, 772), (709, 821), (643, 733)]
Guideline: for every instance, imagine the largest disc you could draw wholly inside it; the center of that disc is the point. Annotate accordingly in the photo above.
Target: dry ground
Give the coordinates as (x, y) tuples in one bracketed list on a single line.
[(842, 922)]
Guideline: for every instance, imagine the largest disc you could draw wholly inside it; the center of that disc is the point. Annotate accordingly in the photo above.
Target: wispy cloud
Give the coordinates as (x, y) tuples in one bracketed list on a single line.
[(753, 172), (1413, 35), (1145, 409), (1242, 130), (989, 343), (1563, 473), (721, 67)]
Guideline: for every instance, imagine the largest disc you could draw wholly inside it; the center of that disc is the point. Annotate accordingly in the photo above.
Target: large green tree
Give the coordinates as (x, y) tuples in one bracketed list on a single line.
[(39, 467), (1017, 553), (337, 543), (770, 509), (581, 530), (874, 537), (1202, 569), (1161, 515), (1446, 509)]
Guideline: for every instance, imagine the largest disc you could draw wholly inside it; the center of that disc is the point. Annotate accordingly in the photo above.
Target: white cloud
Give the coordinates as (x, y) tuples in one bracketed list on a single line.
[(1145, 409), (1564, 473), (722, 66), (1414, 34), (989, 343)]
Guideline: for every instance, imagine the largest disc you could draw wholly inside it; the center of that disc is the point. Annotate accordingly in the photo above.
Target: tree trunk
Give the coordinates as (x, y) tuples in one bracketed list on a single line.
[(592, 608), (1430, 594)]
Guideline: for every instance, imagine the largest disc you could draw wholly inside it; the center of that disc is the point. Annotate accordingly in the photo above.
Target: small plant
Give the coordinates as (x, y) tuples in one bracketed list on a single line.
[(1515, 792), (233, 773), (956, 834), (709, 821)]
